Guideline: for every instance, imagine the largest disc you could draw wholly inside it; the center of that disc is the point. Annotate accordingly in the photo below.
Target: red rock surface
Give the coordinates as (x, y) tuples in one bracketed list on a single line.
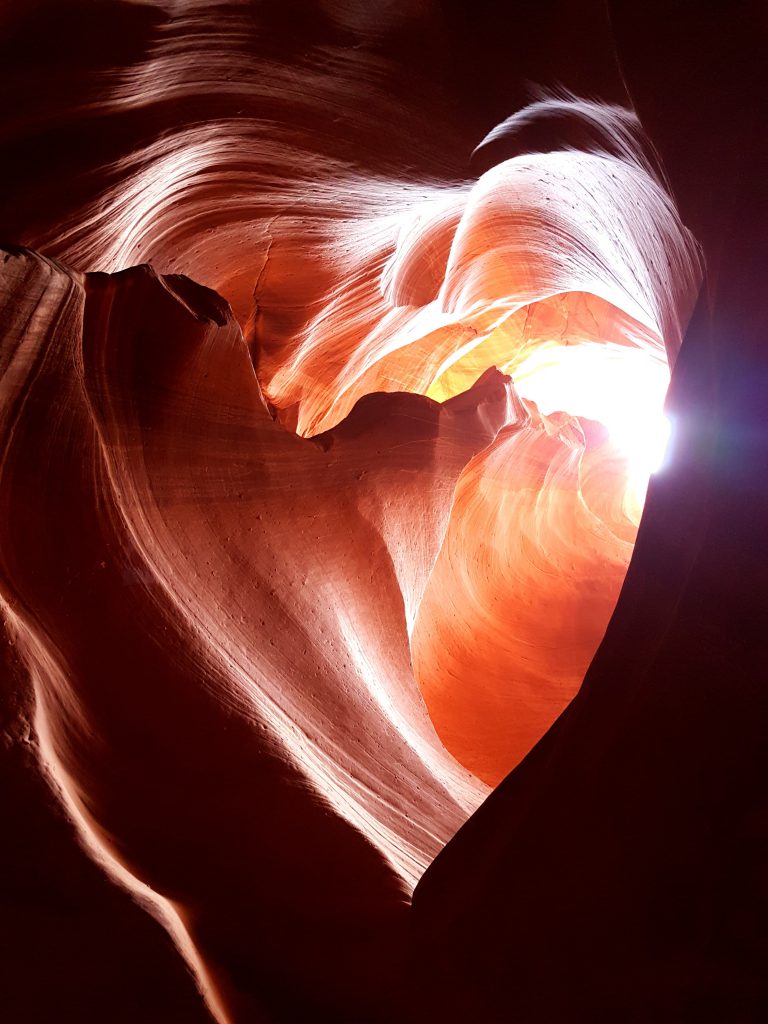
[(325, 439), (255, 693)]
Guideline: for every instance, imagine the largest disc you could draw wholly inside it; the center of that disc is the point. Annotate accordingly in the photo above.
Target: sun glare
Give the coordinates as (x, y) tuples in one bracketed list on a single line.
[(622, 388)]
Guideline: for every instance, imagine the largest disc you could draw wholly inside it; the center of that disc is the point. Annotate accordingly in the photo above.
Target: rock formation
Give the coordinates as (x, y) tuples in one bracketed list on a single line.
[(327, 416)]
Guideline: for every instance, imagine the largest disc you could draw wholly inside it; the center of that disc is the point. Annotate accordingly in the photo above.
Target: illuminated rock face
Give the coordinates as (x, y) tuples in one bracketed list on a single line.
[(546, 269), (253, 588), (521, 593), (298, 560)]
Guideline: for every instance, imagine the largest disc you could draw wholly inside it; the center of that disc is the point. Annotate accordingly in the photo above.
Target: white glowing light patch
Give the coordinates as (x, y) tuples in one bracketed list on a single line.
[(622, 388)]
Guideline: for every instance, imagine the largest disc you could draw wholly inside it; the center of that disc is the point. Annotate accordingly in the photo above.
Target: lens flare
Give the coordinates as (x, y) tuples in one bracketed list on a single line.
[(620, 387)]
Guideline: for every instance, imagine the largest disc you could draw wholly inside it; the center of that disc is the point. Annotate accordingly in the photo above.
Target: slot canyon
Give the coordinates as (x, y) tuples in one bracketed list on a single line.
[(384, 489)]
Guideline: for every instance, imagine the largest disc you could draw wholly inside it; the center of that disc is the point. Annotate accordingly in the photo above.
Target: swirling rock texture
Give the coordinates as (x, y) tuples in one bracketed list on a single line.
[(330, 390)]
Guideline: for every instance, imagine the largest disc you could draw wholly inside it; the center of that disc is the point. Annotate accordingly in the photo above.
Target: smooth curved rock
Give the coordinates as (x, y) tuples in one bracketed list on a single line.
[(290, 574), (255, 589)]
